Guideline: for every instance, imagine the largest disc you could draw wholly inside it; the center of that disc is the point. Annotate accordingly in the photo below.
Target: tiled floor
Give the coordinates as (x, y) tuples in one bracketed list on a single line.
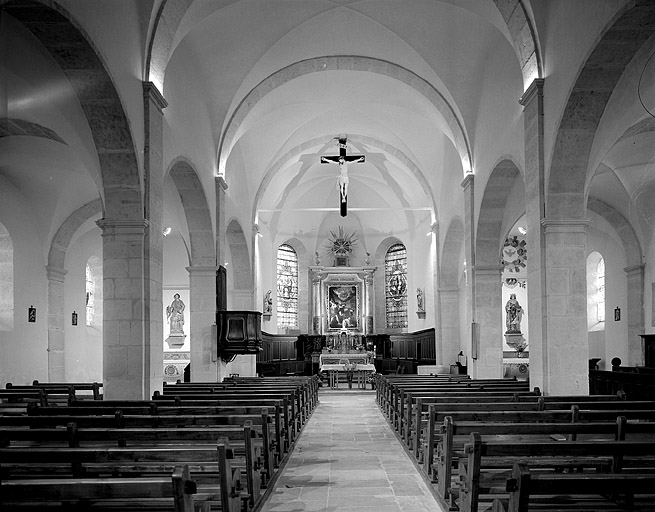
[(348, 459)]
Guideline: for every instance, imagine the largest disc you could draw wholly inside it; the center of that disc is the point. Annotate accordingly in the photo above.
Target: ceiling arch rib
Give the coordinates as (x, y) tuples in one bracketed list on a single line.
[(523, 39), (351, 63)]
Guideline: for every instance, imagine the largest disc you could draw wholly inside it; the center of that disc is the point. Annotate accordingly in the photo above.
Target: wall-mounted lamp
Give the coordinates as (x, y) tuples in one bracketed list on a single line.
[(31, 314), (74, 318), (522, 230), (166, 231)]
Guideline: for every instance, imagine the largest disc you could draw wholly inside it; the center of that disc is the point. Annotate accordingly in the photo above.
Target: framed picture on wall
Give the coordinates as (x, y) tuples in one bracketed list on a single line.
[(343, 307)]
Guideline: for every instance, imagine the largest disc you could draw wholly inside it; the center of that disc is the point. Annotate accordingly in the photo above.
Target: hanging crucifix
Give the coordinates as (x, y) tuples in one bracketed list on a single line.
[(343, 160)]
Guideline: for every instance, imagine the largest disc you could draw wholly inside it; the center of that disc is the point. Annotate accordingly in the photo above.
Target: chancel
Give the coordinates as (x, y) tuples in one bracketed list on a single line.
[(247, 192)]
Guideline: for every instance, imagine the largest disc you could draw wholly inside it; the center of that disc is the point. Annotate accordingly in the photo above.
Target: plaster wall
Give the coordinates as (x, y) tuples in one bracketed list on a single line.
[(23, 351), (83, 344), (612, 340)]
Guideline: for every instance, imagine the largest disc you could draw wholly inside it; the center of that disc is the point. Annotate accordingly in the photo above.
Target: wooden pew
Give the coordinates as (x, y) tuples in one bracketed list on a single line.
[(217, 483), (278, 427), (283, 412), (417, 406), (229, 426), (485, 470), (174, 493), (453, 436), (298, 411), (421, 422), (556, 492)]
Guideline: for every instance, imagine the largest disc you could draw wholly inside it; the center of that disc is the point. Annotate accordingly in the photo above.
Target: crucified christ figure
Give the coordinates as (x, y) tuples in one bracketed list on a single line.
[(342, 180)]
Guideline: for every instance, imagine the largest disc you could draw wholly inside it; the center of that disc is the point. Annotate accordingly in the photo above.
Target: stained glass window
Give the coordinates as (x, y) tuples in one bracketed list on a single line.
[(287, 287), (395, 278), (90, 309)]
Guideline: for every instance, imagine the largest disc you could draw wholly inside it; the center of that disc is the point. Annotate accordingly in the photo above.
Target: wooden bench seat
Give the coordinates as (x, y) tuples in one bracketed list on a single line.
[(421, 418), (448, 444), (488, 463), (216, 480), (125, 494), (550, 492)]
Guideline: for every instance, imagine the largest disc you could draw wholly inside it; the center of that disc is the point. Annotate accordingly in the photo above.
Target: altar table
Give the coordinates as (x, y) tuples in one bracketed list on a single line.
[(333, 364)]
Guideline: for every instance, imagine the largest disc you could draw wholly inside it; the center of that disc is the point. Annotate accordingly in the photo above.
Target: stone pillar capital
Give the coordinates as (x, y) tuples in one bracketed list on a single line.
[(490, 270), (536, 89), (565, 225), (202, 269), (634, 270), (123, 227), (221, 184), (56, 273), (468, 181), (150, 92)]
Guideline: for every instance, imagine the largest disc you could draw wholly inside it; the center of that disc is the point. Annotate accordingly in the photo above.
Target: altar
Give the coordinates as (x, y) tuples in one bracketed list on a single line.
[(356, 366)]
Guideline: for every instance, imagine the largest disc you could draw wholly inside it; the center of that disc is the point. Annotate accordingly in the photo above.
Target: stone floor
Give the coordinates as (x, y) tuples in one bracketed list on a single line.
[(348, 458)]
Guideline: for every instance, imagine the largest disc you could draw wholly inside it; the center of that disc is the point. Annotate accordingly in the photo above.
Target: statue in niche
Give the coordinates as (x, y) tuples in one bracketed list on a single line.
[(175, 315), (420, 305), (514, 313), (268, 303)]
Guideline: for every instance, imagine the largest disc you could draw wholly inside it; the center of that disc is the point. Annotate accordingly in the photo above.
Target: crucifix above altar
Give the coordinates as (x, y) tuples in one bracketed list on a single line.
[(343, 160)]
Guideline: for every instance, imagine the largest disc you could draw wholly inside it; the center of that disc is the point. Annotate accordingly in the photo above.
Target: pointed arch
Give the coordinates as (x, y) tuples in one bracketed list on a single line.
[(196, 209), (565, 190), (489, 236), (58, 32)]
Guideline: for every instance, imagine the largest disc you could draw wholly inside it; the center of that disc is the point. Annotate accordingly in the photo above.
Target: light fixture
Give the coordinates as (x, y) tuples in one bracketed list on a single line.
[(166, 231), (522, 230)]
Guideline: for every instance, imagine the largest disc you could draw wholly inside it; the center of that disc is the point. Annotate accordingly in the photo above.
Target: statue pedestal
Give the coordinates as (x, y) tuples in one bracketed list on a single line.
[(176, 340), (515, 340)]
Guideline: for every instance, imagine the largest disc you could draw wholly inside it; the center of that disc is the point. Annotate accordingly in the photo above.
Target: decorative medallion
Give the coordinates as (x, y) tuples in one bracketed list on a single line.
[(514, 254)]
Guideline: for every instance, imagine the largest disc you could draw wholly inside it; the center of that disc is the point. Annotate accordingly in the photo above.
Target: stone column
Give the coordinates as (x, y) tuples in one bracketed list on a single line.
[(488, 314), (533, 121), (436, 285), (56, 337), (316, 302), (567, 349), (153, 261), (221, 187), (469, 254), (449, 326), (202, 307), (127, 352), (635, 306), (369, 307)]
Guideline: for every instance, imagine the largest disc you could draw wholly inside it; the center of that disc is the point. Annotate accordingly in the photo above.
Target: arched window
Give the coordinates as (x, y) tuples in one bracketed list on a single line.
[(287, 287), (600, 284), (6, 280), (395, 279), (595, 292), (90, 296)]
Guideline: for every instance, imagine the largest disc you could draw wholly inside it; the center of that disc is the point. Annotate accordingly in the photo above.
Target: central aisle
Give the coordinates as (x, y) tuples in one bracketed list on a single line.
[(348, 458)]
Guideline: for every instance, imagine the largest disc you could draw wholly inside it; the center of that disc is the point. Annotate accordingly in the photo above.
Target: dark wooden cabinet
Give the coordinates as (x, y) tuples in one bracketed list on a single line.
[(649, 350)]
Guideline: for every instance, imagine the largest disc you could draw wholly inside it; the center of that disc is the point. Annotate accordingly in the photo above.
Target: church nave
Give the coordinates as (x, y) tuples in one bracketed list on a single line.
[(348, 458)]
